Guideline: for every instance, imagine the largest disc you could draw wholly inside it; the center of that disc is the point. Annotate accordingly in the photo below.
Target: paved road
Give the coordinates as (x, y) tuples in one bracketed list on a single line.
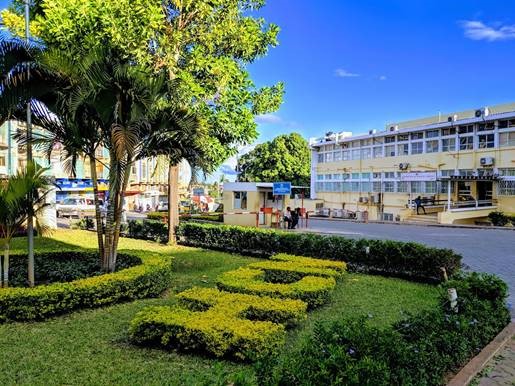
[(485, 250)]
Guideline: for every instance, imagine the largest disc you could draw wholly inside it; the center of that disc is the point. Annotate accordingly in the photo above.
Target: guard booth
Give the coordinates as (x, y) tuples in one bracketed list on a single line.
[(255, 204)]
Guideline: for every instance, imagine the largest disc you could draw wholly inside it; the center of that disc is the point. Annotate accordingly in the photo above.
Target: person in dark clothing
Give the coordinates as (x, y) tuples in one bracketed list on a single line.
[(288, 217), (295, 218), (418, 203)]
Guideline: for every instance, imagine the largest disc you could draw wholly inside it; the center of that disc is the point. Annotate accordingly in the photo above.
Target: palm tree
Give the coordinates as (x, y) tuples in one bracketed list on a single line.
[(177, 135), (27, 189)]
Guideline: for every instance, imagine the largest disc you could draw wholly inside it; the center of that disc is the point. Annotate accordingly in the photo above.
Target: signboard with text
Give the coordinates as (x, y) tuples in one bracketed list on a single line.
[(282, 188), (418, 176)]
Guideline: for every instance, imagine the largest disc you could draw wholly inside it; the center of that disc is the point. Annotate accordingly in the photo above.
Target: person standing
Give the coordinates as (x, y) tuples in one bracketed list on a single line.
[(287, 217), (295, 217), (418, 203)]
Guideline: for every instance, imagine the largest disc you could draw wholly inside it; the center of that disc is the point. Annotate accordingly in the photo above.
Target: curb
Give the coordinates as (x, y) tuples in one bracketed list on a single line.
[(416, 223), (471, 369)]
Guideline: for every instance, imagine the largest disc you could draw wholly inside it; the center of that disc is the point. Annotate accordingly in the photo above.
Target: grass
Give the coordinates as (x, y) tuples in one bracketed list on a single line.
[(91, 346)]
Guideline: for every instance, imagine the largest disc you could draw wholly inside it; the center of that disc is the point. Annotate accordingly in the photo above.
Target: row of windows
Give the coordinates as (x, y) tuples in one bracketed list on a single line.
[(385, 186), (433, 133), (334, 153), (507, 172)]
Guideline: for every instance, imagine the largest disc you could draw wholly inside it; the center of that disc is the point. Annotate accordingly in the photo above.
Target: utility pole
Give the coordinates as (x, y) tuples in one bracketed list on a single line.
[(30, 218)]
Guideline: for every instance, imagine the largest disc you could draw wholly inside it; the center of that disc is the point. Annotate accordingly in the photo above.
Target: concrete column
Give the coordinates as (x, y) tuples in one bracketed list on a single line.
[(314, 163)]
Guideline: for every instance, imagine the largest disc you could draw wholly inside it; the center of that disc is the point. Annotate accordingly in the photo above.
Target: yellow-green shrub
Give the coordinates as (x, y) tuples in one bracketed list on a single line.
[(220, 323), (283, 268), (314, 290), (148, 279)]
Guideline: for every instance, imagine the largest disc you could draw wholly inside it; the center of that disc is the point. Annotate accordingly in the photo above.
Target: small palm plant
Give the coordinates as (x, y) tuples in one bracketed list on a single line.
[(28, 188)]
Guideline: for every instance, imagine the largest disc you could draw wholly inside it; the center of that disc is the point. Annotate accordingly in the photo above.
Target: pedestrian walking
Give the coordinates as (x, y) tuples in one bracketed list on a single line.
[(418, 203)]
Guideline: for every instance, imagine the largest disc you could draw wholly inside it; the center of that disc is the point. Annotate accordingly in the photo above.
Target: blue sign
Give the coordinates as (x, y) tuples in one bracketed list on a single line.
[(282, 188)]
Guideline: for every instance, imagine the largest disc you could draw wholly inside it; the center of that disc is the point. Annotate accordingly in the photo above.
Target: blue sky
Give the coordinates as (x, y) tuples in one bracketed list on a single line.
[(356, 65)]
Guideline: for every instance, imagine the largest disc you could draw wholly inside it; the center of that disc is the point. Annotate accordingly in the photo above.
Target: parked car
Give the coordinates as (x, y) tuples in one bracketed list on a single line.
[(75, 206)]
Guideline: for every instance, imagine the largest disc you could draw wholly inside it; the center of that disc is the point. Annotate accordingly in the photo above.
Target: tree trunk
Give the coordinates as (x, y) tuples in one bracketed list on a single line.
[(5, 273), (98, 214), (173, 202)]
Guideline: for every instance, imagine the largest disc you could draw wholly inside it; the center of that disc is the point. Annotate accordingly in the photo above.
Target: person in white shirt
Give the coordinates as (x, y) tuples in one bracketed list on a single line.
[(287, 217)]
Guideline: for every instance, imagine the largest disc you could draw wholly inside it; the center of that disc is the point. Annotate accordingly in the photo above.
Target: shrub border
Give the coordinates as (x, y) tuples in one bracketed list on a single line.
[(148, 279)]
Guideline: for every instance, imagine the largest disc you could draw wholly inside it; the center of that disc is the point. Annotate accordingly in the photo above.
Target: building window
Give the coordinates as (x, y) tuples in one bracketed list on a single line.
[(376, 187), (466, 129), (403, 149), (507, 172), (506, 188), (320, 158), (449, 144), (376, 176), (430, 186), (449, 131), (365, 176), (389, 139), (337, 176), (507, 139), (417, 148), (366, 187), (366, 142), (320, 177), (466, 143), (402, 187), (355, 176), (345, 155), (345, 176), (2, 160), (402, 137), (356, 153), (506, 124), (447, 173), (417, 187), (378, 152), (389, 175), (240, 200), (418, 135), (355, 187), (432, 133), (466, 172), (486, 141), (337, 156), (329, 157), (389, 186), (389, 151), (387, 216), (328, 176), (432, 146), (365, 153), (485, 126)]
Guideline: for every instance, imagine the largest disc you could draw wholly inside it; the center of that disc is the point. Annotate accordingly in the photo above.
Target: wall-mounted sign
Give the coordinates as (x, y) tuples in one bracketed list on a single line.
[(282, 188), (418, 176)]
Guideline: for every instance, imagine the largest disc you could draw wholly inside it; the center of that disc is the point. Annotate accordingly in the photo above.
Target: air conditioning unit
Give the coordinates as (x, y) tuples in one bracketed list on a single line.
[(330, 136), (487, 161), (375, 199), (394, 128), (372, 132), (452, 118), (482, 112), (403, 166), (363, 200)]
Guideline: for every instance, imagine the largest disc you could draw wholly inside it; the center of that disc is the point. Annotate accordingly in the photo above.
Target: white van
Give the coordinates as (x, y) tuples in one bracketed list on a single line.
[(75, 206)]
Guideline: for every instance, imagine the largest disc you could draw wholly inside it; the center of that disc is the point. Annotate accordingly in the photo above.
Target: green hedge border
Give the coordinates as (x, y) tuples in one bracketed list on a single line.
[(388, 258), (149, 279)]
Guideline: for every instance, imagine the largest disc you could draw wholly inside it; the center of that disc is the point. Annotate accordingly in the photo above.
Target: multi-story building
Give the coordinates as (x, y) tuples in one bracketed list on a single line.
[(147, 185), (462, 165)]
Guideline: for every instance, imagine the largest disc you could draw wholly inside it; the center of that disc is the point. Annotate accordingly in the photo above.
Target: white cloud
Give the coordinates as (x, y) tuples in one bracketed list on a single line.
[(268, 119), (383, 77), (477, 30), (341, 73)]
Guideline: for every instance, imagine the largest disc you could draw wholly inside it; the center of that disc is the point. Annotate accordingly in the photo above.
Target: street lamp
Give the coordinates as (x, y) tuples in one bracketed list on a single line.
[(30, 219)]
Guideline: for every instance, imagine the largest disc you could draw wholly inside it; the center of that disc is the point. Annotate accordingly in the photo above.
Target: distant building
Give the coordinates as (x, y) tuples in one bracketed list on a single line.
[(461, 164)]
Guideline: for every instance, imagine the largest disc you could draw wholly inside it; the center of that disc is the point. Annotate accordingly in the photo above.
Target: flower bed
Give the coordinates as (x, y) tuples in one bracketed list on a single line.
[(389, 258), (145, 280)]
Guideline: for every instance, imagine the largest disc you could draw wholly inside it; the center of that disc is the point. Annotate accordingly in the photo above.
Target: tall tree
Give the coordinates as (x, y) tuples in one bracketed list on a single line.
[(203, 43), (285, 158)]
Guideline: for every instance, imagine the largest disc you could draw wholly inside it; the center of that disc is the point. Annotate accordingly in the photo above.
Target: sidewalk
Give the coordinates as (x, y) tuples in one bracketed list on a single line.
[(500, 371)]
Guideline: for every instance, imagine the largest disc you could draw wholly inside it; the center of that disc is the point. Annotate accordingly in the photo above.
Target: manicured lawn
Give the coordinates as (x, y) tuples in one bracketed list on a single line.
[(91, 347)]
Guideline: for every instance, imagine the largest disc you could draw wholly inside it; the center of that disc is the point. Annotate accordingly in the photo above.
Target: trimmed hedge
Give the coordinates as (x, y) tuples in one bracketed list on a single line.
[(390, 258), (283, 268), (212, 216), (61, 267), (148, 230), (314, 290), (219, 323), (148, 279), (419, 350)]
